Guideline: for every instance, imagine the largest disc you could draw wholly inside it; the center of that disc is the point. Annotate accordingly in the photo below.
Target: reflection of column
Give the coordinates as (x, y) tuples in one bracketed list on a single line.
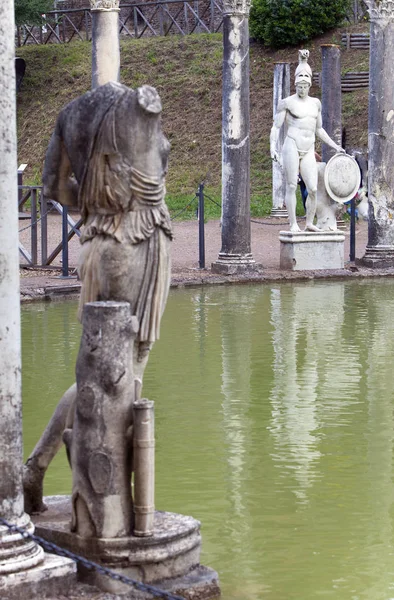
[(331, 94), (300, 315), (380, 248), (236, 333), (235, 254), (281, 90), (105, 41)]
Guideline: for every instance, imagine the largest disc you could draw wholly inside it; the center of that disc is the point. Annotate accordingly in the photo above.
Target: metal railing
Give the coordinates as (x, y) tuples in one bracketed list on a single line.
[(38, 253), (136, 20)]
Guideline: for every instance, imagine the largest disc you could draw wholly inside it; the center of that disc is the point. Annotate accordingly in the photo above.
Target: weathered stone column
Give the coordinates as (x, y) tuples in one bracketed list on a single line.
[(18, 556), (99, 445), (235, 254), (281, 90), (331, 96), (380, 248), (105, 41)]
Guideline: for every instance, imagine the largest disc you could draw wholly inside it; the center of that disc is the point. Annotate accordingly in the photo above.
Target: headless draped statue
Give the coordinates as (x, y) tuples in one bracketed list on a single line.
[(302, 115), (108, 157)]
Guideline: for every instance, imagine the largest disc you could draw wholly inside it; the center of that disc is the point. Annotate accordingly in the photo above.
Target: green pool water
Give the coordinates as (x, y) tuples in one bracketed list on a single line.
[(274, 427)]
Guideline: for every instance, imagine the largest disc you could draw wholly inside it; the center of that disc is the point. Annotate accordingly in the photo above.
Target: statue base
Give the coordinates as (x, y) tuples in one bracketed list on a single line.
[(378, 257), (169, 559), (53, 577), (311, 251), (280, 213), (232, 264)]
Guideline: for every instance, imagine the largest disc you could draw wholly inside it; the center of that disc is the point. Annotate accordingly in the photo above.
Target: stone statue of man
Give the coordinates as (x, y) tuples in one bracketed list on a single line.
[(108, 157), (302, 115)]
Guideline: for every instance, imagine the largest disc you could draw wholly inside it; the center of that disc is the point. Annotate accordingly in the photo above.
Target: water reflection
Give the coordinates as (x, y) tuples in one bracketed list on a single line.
[(274, 412)]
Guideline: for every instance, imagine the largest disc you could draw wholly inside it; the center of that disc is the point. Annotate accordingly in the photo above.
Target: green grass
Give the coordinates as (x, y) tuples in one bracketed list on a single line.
[(187, 72)]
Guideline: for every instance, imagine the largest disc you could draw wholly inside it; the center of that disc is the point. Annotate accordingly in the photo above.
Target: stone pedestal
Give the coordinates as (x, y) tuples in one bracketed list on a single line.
[(52, 577), (311, 251), (169, 559), (231, 264), (378, 257), (280, 213)]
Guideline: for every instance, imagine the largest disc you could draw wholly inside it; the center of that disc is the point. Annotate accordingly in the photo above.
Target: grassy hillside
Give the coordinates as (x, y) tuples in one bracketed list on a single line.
[(187, 73)]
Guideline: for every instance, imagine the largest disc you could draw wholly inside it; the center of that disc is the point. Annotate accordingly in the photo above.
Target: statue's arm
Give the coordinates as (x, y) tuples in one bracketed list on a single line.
[(322, 133), (278, 122), (59, 184)]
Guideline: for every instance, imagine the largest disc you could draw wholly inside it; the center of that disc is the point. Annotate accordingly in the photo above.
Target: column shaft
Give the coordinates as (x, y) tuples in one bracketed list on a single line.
[(380, 248), (11, 496), (105, 44), (331, 96), (281, 90), (235, 253)]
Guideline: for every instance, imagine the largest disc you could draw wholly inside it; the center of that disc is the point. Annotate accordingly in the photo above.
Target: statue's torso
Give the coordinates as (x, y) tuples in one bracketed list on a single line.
[(301, 118)]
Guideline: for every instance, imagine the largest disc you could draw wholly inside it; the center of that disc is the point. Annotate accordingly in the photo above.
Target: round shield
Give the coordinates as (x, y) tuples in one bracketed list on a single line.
[(342, 177)]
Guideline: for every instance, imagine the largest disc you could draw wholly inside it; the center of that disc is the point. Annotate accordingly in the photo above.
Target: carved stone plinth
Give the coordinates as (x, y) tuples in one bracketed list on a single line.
[(169, 559), (231, 264), (306, 250), (50, 578), (378, 257), (280, 213)]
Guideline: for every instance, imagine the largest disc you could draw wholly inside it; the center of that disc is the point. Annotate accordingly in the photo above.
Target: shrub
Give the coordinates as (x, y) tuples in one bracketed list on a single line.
[(279, 23), (29, 12)]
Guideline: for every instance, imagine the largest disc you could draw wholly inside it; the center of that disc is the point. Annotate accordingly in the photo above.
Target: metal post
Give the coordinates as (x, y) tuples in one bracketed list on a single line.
[(201, 226), (352, 254), (65, 242), (33, 221), (44, 229)]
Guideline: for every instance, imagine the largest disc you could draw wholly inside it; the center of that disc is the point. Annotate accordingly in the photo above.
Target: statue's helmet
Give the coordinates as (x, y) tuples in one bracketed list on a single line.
[(303, 71)]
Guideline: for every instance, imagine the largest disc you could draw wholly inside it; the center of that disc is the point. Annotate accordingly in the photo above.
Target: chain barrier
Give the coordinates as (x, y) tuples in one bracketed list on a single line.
[(212, 200), (184, 208), (37, 221), (88, 564)]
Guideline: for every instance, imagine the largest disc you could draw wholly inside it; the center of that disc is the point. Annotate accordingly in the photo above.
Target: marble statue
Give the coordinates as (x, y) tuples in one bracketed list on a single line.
[(108, 157), (302, 116)]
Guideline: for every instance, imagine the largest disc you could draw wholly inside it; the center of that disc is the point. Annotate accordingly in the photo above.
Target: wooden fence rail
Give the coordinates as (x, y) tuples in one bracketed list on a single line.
[(350, 82), (136, 20), (358, 41)]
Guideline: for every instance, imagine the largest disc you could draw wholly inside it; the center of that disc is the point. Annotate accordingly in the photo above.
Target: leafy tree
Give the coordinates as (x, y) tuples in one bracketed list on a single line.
[(29, 11), (279, 23)]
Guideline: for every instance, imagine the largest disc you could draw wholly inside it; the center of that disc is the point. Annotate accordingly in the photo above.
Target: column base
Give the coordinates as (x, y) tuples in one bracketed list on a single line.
[(280, 213), (53, 577), (311, 251), (378, 257), (169, 559), (26, 571), (232, 264)]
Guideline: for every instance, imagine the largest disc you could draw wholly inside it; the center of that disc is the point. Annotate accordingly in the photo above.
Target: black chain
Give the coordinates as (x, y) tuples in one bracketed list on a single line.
[(184, 208), (212, 200), (142, 587)]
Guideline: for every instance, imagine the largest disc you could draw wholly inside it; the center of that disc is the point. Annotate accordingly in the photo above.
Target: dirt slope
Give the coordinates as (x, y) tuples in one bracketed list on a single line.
[(187, 73)]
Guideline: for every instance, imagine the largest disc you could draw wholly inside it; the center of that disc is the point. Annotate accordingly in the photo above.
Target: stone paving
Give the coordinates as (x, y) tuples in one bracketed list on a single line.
[(39, 284)]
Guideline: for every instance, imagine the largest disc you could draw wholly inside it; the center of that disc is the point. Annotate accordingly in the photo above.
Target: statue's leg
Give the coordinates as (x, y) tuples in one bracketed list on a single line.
[(291, 167), (308, 169), (45, 450)]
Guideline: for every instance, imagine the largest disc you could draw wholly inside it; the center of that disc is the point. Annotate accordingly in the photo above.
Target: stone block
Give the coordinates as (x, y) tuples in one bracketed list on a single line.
[(170, 558), (53, 577), (311, 251)]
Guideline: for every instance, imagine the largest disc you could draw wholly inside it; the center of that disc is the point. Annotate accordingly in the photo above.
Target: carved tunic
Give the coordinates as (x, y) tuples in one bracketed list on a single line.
[(125, 243)]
